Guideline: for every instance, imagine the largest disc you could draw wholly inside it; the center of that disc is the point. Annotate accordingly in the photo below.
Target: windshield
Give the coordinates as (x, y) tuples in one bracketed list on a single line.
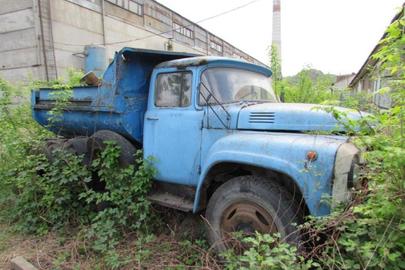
[(229, 85)]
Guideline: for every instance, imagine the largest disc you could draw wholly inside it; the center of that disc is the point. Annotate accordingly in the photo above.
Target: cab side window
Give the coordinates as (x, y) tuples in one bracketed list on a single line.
[(173, 89)]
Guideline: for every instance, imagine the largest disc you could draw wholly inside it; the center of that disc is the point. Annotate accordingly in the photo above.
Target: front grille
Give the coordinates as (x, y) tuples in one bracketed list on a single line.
[(262, 117)]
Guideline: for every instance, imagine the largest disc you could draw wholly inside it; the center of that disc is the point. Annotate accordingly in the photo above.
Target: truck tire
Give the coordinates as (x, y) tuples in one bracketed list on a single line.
[(96, 144), (51, 145), (249, 204), (77, 146)]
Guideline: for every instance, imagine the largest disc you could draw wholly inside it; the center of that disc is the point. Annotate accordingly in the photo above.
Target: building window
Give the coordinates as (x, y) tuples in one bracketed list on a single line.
[(117, 2), (173, 89), (131, 5), (216, 46), (182, 30), (135, 7)]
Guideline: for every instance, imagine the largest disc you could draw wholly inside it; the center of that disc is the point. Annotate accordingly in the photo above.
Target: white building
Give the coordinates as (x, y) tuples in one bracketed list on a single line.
[(371, 78)]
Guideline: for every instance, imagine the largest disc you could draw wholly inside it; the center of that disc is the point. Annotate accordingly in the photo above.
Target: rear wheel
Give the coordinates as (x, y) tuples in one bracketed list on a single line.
[(97, 143), (76, 146), (249, 204)]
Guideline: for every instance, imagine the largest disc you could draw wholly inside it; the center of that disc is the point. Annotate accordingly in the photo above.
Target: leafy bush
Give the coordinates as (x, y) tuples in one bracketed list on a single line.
[(266, 252), (47, 194), (18, 134), (39, 196), (125, 194), (56, 195), (370, 233)]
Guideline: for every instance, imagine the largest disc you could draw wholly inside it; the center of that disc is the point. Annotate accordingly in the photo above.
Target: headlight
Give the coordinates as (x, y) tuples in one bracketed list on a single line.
[(354, 173), (345, 172)]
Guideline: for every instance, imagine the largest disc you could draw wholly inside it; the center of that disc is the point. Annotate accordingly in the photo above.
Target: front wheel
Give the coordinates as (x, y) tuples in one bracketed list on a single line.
[(249, 204)]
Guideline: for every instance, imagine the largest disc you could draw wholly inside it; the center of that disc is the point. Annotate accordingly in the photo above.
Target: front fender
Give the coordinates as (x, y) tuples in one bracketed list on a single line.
[(281, 152)]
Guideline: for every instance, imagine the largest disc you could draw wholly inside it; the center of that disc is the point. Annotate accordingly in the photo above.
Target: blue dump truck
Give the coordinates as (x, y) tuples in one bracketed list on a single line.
[(223, 144)]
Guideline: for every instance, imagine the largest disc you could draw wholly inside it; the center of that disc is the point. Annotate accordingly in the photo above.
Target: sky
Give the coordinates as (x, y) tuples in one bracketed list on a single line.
[(334, 36)]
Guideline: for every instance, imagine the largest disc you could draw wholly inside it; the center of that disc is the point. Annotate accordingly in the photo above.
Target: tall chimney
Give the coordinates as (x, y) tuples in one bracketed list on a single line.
[(276, 38)]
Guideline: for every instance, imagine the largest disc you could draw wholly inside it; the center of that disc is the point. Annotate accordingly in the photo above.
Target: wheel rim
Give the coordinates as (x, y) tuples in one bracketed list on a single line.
[(247, 217)]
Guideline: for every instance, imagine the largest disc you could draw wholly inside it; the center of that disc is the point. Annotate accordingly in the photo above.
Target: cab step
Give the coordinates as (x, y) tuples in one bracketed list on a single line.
[(177, 196), (172, 201)]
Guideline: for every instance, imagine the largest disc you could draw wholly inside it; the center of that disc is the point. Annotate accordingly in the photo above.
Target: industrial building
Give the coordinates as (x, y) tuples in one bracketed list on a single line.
[(43, 39)]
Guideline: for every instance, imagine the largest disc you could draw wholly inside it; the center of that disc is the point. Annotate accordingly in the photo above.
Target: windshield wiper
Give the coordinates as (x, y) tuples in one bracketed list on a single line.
[(211, 95)]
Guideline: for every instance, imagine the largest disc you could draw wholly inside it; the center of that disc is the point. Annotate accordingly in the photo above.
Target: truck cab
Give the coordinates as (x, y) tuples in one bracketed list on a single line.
[(192, 103), (222, 142)]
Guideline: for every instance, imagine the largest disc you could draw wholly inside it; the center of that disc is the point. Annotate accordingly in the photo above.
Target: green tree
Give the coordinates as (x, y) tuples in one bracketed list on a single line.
[(275, 65)]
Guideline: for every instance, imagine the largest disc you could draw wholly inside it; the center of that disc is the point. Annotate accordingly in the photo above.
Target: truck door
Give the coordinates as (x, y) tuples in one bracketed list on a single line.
[(172, 133)]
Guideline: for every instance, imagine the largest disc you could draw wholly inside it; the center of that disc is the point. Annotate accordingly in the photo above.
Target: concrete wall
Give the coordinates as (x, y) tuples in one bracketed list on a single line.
[(19, 58), (73, 24)]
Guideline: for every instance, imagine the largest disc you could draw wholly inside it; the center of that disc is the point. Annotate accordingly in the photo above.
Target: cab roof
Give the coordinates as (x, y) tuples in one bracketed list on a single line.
[(169, 59), (214, 61)]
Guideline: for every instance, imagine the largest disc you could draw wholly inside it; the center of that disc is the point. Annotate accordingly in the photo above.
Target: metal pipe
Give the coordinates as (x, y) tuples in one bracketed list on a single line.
[(102, 21), (43, 40)]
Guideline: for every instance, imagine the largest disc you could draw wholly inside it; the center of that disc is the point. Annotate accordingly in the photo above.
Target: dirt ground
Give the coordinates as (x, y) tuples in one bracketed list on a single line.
[(175, 247)]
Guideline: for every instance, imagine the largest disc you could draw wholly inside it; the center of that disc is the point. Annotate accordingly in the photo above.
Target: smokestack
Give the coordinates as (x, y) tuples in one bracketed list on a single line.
[(276, 38)]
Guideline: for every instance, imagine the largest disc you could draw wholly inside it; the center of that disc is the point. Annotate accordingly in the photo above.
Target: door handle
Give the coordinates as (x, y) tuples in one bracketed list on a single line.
[(152, 118)]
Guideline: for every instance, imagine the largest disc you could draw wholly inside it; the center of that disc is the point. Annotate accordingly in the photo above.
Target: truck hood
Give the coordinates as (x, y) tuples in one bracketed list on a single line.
[(292, 117)]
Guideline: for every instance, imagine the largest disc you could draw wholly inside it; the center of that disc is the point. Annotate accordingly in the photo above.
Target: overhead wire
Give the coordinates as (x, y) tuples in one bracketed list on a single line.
[(167, 31)]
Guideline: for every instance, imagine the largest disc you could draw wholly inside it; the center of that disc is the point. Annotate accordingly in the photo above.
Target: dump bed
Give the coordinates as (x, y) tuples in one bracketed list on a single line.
[(118, 104)]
